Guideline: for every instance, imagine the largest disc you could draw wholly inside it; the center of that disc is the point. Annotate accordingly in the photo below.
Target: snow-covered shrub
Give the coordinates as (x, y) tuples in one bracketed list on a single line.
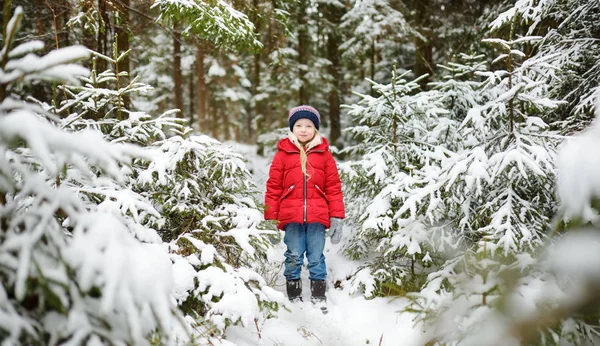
[(458, 185), (109, 242), (503, 183), (547, 296), (200, 201), (213, 221), (570, 42), (399, 135), (71, 271)]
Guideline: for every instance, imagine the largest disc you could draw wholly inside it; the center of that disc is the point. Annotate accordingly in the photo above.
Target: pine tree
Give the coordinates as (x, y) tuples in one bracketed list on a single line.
[(503, 182), (62, 278), (200, 205), (398, 138), (373, 27), (104, 207)]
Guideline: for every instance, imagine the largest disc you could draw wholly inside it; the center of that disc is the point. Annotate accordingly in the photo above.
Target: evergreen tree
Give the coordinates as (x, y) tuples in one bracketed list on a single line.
[(399, 137), (110, 218), (373, 27), (201, 205), (63, 277)]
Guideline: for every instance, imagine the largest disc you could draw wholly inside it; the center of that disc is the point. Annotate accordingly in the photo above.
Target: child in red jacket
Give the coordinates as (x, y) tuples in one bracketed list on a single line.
[(304, 194)]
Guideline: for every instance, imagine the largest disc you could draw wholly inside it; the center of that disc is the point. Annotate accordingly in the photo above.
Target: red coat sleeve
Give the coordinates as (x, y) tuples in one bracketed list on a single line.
[(333, 188), (274, 188)]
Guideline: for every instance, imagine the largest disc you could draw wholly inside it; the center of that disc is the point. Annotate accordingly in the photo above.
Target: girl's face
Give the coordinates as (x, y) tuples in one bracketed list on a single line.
[(305, 130)]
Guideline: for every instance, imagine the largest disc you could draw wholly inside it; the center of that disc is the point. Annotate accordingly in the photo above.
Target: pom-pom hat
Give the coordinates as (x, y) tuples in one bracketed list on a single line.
[(304, 111)]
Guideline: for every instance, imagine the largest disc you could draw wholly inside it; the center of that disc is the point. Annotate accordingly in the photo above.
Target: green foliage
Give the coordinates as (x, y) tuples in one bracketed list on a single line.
[(191, 190), (395, 130), (56, 255), (214, 21), (202, 202)]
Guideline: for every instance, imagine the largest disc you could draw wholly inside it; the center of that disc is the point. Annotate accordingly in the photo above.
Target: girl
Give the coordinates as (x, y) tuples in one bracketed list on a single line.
[(304, 195)]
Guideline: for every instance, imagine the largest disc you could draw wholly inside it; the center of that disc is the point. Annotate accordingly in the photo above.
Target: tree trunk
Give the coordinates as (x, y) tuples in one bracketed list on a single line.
[(102, 37), (213, 115), (177, 76), (64, 17), (88, 39), (423, 60), (201, 88), (257, 108), (373, 63), (303, 40), (256, 76), (226, 133), (122, 33), (423, 49), (334, 15), (191, 97)]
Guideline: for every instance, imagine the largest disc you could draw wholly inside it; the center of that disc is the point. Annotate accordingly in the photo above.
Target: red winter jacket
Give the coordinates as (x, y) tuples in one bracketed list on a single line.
[(292, 198)]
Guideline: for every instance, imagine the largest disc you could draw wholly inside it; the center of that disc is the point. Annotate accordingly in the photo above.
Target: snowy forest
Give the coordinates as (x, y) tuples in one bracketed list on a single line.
[(136, 135)]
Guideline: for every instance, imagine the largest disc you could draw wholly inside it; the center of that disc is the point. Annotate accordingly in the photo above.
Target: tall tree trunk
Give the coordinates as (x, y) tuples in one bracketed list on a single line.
[(226, 133), (122, 33), (423, 48), (334, 15), (64, 17), (177, 76), (256, 76), (373, 64), (257, 108), (303, 41), (102, 44), (423, 60), (191, 97), (231, 109), (213, 115), (201, 88)]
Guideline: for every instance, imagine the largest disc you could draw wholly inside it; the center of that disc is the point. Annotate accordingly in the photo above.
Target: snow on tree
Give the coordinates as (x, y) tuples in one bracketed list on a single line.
[(503, 180), (217, 21), (71, 271), (373, 29), (457, 192), (204, 208), (398, 135), (574, 45), (120, 228)]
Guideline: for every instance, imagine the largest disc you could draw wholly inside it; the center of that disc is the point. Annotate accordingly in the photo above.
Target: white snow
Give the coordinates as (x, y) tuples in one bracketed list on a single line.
[(579, 172)]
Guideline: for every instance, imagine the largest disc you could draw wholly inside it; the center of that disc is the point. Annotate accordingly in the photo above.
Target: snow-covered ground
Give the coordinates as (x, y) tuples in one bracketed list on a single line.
[(352, 320)]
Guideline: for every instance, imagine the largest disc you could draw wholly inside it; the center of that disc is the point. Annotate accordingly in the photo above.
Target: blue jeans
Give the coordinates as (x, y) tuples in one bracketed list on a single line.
[(301, 239)]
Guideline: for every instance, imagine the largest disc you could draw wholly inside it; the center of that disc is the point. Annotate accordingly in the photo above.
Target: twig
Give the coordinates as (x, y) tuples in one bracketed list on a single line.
[(55, 24), (257, 329)]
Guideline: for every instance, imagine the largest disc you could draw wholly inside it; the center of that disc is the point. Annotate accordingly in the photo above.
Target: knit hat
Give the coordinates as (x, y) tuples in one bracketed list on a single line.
[(307, 112)]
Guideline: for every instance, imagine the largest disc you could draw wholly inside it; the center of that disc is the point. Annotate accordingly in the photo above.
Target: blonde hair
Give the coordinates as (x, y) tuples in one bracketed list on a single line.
[(316, 140), (303, 158)]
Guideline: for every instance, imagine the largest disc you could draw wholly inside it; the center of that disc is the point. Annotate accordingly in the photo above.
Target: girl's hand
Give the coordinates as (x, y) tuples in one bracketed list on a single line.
[(335, 230)]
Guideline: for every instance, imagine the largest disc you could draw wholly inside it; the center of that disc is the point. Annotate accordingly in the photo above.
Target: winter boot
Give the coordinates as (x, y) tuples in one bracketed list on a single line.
[(317, 290), (294, 290)]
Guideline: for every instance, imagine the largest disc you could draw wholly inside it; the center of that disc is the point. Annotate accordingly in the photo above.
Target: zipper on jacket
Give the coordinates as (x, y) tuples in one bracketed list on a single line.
[(304, 198)]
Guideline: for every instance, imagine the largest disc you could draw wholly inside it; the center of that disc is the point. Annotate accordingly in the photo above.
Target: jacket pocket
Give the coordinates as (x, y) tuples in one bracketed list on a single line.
[(321, 192), (287, 192)]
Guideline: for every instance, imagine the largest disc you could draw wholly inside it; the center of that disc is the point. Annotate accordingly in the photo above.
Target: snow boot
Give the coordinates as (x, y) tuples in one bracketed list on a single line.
[(294, 290), (317, 290)]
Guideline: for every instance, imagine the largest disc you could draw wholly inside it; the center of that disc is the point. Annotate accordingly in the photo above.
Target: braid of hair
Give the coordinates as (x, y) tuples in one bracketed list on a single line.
[(303, 158)]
